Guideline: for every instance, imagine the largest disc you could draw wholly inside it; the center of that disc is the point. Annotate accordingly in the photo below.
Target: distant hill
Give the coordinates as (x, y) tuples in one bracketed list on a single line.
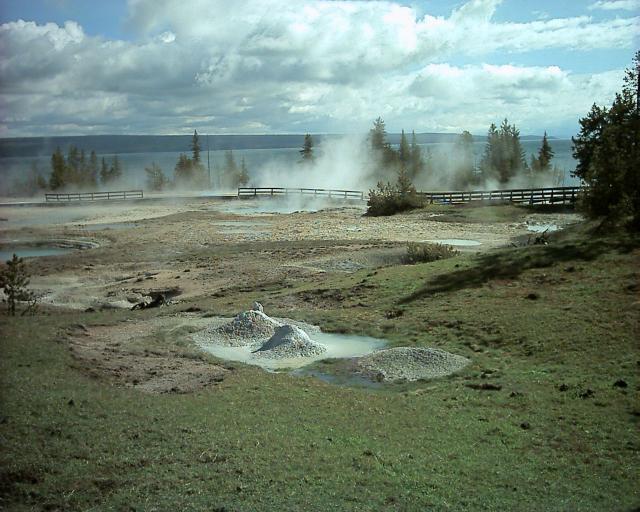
[(109, 144)]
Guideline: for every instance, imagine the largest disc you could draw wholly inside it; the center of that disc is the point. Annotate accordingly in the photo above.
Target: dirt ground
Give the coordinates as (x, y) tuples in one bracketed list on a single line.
[(190, 248), (202, 246)]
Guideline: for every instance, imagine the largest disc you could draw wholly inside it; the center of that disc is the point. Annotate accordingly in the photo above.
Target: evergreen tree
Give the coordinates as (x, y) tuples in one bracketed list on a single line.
[(83, 179), (104, 172), (378, 135), (230, 171), (384, 155), (428, 164), (73, 166), (116, 172), (92, 170), (57, 179), (464, 170), (307, 149), (183, 171), (608, 153), (195, 147), (503, 156), (545, 154), (14, 280), (404, 153), (156, 180), (243, 177), (416, 165)]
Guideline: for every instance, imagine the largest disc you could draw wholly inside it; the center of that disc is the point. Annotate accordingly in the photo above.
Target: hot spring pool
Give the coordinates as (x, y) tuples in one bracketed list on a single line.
[(339, 346), (7, 251)]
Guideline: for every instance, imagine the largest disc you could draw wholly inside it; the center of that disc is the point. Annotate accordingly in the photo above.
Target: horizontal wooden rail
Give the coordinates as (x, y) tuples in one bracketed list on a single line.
[(93, 196), (316, 192), (561, 195)]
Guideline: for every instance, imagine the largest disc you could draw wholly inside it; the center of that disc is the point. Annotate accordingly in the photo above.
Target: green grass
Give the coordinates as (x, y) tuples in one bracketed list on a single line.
[(260, 441)]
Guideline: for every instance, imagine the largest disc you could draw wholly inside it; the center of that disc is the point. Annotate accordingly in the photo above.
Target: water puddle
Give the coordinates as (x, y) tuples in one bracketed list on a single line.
[(457, 242), (339, 346)]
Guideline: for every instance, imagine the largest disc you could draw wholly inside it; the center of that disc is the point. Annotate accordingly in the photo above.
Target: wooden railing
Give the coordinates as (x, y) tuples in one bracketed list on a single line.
[(93, 196), (316, 192), (562, 195)]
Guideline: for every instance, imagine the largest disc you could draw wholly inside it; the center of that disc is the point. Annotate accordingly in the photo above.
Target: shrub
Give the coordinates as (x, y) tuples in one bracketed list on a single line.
[(388, 199), (14, 280), (424, 253)]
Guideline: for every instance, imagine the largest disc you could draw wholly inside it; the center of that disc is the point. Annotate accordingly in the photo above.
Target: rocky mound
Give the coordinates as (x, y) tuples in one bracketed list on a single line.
[(248, 328), (408, 363), (289, 341)]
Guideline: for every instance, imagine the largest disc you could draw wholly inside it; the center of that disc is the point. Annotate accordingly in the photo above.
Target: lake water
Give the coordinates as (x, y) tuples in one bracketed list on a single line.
[(265, 165)]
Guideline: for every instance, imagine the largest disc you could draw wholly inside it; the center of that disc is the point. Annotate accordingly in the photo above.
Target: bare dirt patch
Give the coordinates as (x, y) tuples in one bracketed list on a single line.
[(122, 355)]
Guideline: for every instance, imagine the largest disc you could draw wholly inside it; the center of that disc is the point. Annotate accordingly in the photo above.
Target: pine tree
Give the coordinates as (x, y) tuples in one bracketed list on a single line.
[(545, 155), (195, 147), (73, 166), (14, 280), (608, 153), (230, 170), (183, 171), (464, 170), (92, 170), (416, 163), (378, 135), (503, 156), (307, 149), (156, 180), (243, 177), (404, 153), (57, 179), (104, 172), (116, 172)]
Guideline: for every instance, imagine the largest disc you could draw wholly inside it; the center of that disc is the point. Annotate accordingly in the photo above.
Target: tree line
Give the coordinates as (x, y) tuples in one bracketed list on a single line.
[(503, 159), (76, 170), (190, 172)]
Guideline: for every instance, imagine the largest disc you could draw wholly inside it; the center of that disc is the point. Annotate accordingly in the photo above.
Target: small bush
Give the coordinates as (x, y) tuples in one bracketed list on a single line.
[(387, 199), (424, 253)]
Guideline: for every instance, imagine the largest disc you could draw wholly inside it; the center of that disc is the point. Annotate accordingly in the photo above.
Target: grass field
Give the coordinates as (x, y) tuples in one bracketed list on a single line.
[(545, 418)]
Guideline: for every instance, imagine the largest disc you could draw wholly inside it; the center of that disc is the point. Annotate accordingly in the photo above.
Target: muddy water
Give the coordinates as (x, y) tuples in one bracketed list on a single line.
[(339, 346)]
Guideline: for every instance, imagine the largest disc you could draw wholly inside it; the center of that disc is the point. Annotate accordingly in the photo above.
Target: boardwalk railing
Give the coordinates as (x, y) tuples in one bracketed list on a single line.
[(316, 192), (562, 195), (93, 196)]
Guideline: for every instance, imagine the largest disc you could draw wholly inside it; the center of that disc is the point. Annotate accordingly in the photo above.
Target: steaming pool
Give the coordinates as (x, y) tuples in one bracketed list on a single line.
[(338, 346), (7, 252), (38, 249)]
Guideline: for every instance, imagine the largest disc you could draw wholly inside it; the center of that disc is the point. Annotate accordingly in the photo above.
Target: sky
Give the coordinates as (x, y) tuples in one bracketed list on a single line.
[(80, 67)]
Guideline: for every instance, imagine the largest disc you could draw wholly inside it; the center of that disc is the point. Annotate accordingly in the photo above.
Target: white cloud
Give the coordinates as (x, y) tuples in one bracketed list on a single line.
[(267, 66), (616, 5)]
